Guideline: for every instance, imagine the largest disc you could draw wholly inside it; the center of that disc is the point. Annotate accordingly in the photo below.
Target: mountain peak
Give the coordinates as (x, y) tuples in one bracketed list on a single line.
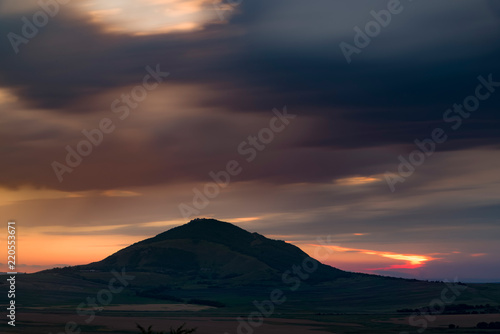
[(206, 229), (209, 222)]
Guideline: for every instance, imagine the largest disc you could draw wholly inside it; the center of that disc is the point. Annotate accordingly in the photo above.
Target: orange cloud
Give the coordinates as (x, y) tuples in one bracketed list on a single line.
[(358, 180), (478, 254), (6, 96), (119, 193), (243, 219)]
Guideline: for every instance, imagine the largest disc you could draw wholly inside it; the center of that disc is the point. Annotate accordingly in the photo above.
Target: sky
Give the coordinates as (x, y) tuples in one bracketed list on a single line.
[(370, 128)]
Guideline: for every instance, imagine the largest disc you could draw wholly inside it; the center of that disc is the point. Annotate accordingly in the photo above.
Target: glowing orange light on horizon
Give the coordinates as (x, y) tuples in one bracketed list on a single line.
[(412, 261)]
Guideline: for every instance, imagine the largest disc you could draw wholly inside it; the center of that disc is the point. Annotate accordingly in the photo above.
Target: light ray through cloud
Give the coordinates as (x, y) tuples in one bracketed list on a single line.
[(149, 17)]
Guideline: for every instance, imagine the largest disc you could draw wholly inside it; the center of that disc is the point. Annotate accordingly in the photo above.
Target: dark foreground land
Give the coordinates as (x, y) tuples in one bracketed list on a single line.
[(123, 322), (69, 303)]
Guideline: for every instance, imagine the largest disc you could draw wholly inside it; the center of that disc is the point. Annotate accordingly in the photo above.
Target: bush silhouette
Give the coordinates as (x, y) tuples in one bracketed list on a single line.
[(491, 325), (482, 325), (180, 330)]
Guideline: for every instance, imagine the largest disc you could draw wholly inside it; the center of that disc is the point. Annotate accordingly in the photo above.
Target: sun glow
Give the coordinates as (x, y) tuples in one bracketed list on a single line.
[(6, 96), (150, 17), (411, 261)]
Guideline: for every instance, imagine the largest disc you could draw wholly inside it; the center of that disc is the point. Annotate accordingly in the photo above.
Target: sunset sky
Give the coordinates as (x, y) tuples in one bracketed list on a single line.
[(316, 178)]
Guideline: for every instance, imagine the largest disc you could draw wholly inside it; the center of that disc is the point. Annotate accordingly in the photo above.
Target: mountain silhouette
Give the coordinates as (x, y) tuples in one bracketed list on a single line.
[(216, 250), (217, 264)]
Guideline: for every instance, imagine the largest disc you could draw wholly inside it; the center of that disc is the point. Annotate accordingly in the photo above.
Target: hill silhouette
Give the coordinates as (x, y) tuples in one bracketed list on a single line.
[(217, 264), (216, 250)]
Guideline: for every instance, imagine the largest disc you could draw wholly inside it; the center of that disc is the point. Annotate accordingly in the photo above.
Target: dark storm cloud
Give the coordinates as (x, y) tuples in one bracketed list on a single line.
[(275, 58), (269, 55), (393, 92)]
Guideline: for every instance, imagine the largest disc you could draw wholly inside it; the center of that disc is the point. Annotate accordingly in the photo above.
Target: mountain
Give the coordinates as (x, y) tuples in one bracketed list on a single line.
[(220, 272), (217, 264), (217, 251)]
